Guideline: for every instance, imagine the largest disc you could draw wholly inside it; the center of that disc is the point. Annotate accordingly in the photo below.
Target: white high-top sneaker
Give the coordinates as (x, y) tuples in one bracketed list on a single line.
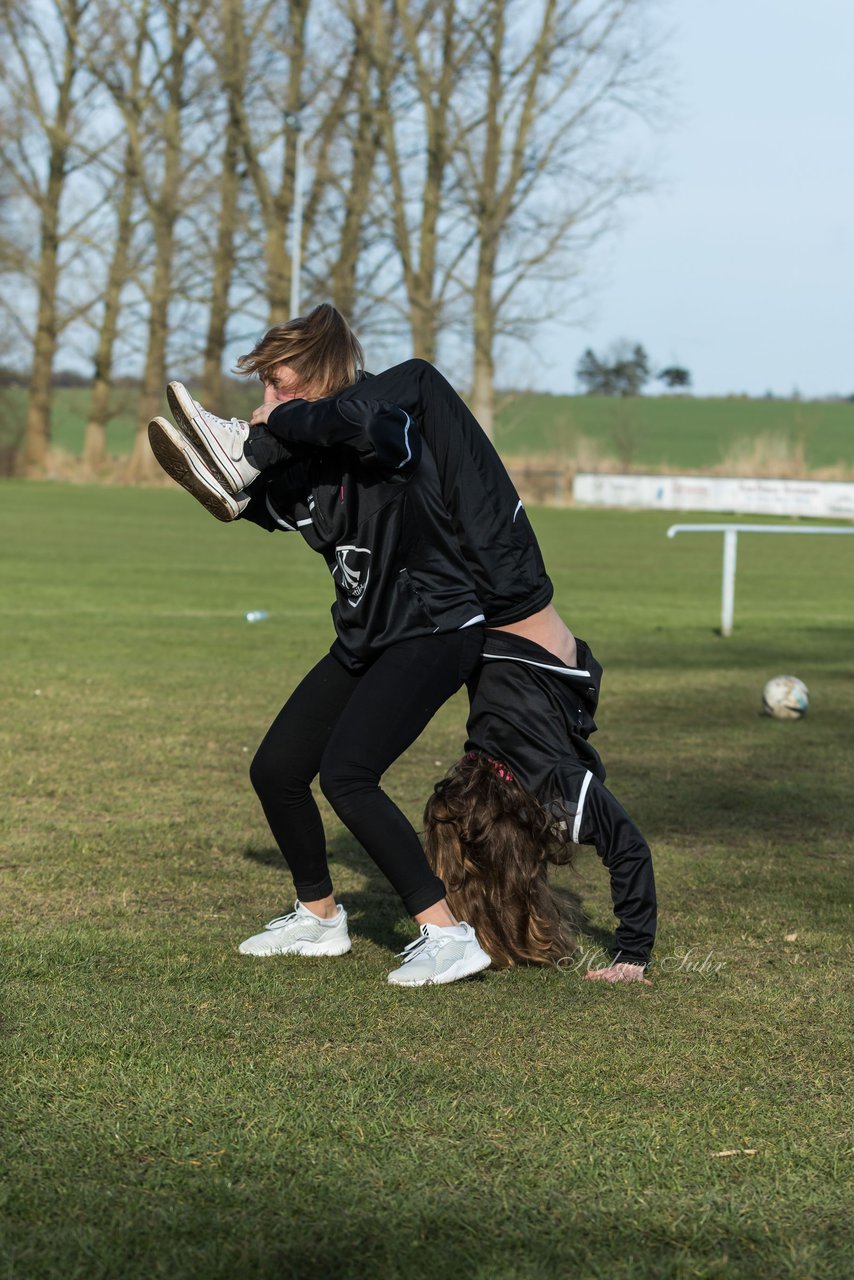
[(222, 439), (184, 463), (301, 933)]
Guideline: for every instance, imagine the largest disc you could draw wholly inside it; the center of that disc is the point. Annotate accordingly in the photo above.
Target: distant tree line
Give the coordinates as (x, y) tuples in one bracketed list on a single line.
[(457, 162), (625, 371)]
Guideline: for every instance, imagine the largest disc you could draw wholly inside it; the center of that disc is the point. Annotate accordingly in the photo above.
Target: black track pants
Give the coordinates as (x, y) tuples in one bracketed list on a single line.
[(347, 729)]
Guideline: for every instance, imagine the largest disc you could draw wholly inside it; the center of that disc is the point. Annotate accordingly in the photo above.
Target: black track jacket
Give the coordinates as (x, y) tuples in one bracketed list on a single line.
[(363, 491), (533, 712), (493, 530), (487, 516)]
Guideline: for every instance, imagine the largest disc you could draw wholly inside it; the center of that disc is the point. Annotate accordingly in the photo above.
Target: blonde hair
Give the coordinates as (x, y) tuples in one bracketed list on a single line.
[(320, 348), (490, 841)]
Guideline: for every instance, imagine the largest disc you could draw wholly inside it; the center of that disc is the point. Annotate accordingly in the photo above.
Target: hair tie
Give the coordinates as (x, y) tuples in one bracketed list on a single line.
[(503, 771)]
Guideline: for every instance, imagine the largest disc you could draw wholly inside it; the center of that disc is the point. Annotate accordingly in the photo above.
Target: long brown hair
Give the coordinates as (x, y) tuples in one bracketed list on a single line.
[(490, 841), (320, 348)]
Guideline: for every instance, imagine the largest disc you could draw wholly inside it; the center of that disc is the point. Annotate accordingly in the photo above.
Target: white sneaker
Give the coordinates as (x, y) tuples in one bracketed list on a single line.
[(440, 954), (301, 933), (222, 439), (184, 463)]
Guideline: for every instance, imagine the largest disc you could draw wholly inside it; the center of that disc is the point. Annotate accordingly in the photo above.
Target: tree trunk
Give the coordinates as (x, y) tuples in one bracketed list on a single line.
[(483, 391), (37, 430), (425, 305), (483, 370), (278, 268), (279, 264), (212, 383), (95, 441), (483, 310), (434, 54), (164, 213), (142, 465), (368, 28)]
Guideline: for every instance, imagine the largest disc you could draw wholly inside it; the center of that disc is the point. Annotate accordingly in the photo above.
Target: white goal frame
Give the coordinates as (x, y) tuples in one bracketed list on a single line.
[(731, 532)]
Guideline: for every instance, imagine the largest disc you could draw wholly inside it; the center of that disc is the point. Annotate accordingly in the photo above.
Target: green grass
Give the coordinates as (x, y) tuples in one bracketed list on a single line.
[(173, 1109), (673, 430), (648, 431)]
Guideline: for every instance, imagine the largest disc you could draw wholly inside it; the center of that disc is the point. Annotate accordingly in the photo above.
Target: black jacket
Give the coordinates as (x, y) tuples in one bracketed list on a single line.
[(487, 515), (492, 527), (363, 491), (533, 712)]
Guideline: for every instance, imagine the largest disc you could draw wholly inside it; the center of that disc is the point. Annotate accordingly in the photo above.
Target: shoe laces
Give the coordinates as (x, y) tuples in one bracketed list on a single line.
[(279, 921), (282, 920), (237, 425), (423, 945)]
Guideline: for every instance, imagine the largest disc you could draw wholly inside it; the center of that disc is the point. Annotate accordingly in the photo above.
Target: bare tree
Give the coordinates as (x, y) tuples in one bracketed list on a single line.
[(552, 81), (455, 172), (124, 192), (95, 439), (421, 122), (351, 112), (264, 131), (231, 71), (45, 90), (165, 198), (311, 78), (11, 419), (239, 27), (158, 105)]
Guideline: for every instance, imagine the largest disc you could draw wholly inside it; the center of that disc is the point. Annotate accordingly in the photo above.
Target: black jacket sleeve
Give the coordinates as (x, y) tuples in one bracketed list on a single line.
[(594, 816), (606, 825), (383, 435), (491, 524)]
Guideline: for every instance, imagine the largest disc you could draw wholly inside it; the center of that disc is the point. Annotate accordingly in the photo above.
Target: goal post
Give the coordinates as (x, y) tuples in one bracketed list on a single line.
[(730, 533)]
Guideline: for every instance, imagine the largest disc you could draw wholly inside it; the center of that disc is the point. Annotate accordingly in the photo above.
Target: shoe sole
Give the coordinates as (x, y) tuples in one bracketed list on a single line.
[(462, 969), (192, 424), (177, 459), (304, 949)]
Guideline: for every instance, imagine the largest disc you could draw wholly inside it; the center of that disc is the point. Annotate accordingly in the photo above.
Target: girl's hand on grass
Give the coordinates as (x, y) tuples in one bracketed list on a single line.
[(619, 973)]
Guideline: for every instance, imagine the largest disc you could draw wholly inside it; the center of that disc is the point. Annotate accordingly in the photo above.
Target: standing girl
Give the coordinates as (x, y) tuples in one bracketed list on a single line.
[(355, 480)]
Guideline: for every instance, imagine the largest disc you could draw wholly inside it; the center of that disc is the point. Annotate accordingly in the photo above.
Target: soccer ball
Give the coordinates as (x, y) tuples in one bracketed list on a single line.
[(785, 698)]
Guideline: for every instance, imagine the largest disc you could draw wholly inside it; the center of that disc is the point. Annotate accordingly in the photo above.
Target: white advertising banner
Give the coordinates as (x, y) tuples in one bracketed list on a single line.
[(716, 493)]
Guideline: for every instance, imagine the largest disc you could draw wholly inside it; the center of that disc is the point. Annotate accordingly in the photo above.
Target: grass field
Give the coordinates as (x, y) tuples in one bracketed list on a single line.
[(675, 431), (174, 1109), (648, 431)]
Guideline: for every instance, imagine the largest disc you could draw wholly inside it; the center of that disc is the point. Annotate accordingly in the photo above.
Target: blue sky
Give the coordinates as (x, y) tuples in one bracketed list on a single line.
[(740, 265)]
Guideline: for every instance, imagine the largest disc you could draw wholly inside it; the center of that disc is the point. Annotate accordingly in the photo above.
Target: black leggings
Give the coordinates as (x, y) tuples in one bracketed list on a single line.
[(348, 728)]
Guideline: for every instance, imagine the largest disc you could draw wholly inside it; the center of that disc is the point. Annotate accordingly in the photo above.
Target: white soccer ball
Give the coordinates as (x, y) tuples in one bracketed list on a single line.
[(785, 698)]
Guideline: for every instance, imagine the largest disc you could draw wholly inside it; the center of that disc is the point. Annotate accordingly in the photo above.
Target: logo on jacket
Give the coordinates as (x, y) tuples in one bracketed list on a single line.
[(352, 571)]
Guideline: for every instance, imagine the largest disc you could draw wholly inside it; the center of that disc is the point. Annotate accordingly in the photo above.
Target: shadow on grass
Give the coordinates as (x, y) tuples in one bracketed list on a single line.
[(375, 911), (341, 852), (488, 1226), (746, 801), (586, 932)]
